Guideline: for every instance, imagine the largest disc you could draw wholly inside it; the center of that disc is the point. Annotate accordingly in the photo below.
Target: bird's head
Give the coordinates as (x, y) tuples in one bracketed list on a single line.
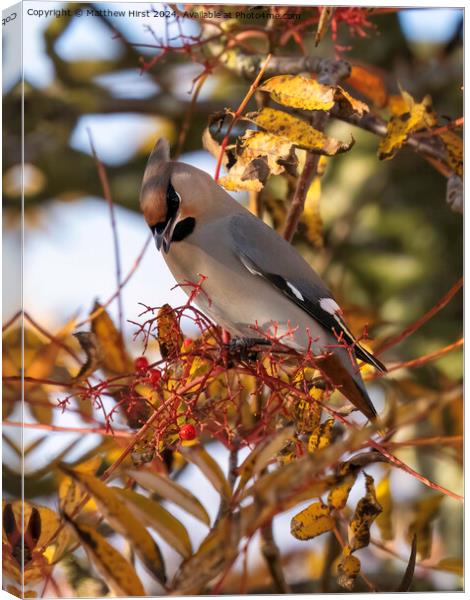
[(176, 197)]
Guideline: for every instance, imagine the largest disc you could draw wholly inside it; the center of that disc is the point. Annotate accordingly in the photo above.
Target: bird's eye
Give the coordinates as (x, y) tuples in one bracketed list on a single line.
[(172, 200)]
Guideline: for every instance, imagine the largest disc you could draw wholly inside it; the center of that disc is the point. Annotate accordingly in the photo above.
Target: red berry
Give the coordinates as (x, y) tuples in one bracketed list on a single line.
[(187, 432), (141, 363), (154, 376), (187, 342)]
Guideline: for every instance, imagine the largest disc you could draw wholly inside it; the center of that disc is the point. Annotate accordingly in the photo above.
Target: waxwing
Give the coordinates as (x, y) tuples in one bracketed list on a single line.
[(256, 284)]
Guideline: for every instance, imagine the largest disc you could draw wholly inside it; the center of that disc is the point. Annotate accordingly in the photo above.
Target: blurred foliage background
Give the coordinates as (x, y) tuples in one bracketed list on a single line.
[(391, 246)]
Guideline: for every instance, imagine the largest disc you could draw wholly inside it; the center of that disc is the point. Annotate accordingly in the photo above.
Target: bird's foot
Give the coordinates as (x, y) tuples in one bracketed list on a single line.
[(243, 348)]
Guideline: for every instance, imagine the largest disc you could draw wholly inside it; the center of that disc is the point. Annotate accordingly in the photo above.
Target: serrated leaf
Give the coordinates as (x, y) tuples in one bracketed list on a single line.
[(366, 512), (312, 521), (384, 498), (122, 520), (113, 353), (163, 522), (172, 491), (400, 126), (348, 570), (170, 336), (426, 511), (116, 571), (298, 132)]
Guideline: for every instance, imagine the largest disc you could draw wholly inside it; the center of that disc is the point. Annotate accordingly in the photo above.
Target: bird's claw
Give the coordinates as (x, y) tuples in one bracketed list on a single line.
[(243, 347)]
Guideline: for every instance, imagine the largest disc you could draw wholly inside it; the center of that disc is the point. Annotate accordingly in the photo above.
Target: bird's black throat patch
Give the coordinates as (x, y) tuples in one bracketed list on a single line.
[(183, 229)]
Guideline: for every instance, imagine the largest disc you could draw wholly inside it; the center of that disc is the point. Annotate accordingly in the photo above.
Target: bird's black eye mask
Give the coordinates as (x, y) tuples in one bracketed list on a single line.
[(172, 205)]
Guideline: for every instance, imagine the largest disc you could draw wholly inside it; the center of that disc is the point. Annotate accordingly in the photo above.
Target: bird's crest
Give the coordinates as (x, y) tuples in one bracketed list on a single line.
[(155, 183)]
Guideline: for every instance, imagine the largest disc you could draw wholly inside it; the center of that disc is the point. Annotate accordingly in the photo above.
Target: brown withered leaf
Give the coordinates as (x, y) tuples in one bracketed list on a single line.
[(426, 511), (347, 104), (312, 521), (370, 83), (407, 580), (418, 115), (348, 569), (89, 344), (112, 350), (298, 132), (170, 336), (215, 553), (454, 148), (367, 510)]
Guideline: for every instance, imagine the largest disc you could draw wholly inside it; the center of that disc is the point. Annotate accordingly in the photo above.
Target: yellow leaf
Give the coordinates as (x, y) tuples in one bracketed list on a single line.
[(339, 494), (417, 116), (347, 104), (366, 511), (369, 83), (258, 144), (308, 414), (321, 436), (454, 148), (312, 521), (113, 353), (348, 570), (170, 337), (426, 511), (452, 565), (311, 221), (199, 456), (163, 522), (118, 573), (40, 405), (298, 132), (123, 521), (296, 91), (172, 491), (384, 498), (232, 183)]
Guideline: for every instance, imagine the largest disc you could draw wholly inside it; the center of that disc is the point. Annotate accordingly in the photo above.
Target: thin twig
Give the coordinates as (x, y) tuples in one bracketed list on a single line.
[(422, 320), (272, 556), (117, 255), (238, 113)]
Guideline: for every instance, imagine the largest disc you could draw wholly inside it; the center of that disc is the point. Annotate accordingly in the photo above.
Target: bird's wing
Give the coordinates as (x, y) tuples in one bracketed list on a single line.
[(265, 254)]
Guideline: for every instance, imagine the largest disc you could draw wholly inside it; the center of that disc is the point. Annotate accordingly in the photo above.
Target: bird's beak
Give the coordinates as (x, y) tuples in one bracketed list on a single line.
[(163, 237)]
